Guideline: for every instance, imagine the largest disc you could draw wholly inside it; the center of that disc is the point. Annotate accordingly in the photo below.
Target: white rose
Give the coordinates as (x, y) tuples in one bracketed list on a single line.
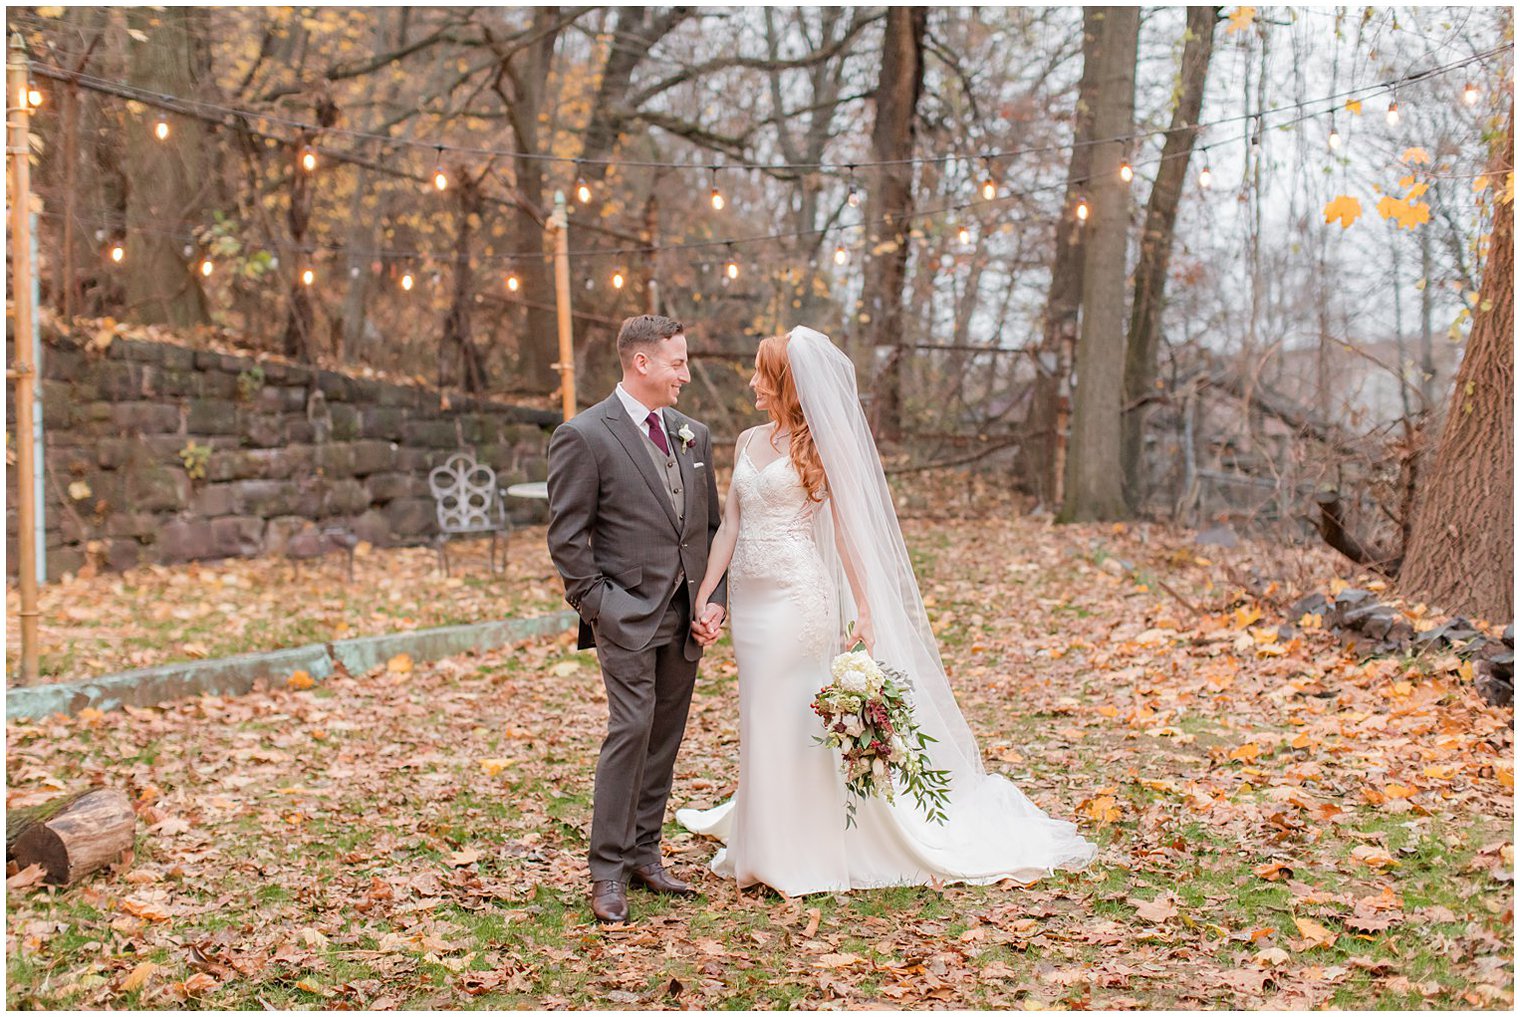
[(853, 681), (852, 725)]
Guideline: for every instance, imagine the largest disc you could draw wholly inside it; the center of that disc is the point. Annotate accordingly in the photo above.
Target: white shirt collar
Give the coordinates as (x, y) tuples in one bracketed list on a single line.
[(637, 410)]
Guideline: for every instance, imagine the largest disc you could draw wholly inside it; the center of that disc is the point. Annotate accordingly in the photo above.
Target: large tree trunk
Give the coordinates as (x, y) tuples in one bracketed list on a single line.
[(456, 327), (527, 68), (1094, 479), (1156, 248), (168, 179), (1461, 554), (890, 204), (1045, 427)]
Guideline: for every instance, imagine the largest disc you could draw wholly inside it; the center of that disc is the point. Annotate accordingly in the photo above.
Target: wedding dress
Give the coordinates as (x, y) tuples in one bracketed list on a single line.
[(788, 600)]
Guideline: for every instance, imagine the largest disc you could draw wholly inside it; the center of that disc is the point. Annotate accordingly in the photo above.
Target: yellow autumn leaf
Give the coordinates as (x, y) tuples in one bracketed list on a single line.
[(492, 767), (1414, 156), (1345, 208), (1247, 616), (79, 490), (1314, 932), (1246, 753), (1416, 191), (299, 680), (401, 663), (1240, 20), (139, 976), (1481, 183), (1354, 106)]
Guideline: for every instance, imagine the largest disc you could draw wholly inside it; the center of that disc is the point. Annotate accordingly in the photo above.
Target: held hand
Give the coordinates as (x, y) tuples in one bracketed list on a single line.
[(863, 633), (707, 623)]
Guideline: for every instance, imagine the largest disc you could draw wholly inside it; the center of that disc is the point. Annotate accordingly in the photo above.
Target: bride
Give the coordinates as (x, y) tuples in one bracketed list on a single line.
[(811, 544)]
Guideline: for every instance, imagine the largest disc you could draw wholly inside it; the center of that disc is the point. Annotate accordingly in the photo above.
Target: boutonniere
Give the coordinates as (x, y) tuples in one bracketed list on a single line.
[(688, 439)]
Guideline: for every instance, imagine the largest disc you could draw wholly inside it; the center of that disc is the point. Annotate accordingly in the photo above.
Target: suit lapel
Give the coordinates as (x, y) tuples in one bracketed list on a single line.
[(633, 443), (683, 460)]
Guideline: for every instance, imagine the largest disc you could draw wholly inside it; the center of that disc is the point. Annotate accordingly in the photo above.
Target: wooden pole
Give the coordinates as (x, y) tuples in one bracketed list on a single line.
[(559, 224), (18, 152)]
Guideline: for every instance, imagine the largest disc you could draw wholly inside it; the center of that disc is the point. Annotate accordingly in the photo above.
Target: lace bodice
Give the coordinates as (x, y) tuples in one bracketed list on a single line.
[(775, 551)]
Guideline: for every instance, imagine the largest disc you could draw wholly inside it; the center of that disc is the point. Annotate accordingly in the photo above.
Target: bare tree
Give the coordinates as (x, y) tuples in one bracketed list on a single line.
[(1156, 246), (1461, 552), (1094, 478)]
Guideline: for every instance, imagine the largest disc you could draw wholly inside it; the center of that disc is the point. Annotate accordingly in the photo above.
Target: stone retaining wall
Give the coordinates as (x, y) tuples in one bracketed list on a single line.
[(289, 450)]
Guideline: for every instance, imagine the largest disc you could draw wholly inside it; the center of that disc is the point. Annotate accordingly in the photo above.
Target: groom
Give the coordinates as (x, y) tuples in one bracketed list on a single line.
[(633, 507)]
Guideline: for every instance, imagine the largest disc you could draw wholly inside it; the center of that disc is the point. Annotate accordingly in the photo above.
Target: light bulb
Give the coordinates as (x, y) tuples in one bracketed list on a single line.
[(717, 200), (118, 252), (406, 282), (308, 160), (1393, 113), (1206, 178), (617, 280), (308, 277), (206, 267), (513, 282), (989, 189), (1334, 140), (841, 255), (732, 270), (161, 130), (1082, 210), (440, 179), (582, 191), (854, 199), (1469, 94), (34, 97), (963, 235), (1126, 172)]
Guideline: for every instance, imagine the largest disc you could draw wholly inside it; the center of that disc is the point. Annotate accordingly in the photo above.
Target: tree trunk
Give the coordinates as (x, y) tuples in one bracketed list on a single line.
[(527, 68), (1045, 427), (1094, 477), (168, 179), (1156, 248), (1461, 554), (890, 204), (87, 832), (456, 327)]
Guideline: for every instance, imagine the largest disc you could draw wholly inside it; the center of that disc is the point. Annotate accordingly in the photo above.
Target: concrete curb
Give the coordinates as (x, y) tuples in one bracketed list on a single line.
[(234, 676)]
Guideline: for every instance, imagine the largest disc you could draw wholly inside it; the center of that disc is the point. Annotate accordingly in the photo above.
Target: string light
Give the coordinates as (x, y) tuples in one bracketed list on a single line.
[(732, 268), (34, 97), (840, 254), (118, 252), (853, 200), (1126, 172), (513, 283), (308, 159), (1082, 210), (206, 267), (1334, 139), (989, 189), (308, 277), (618, 280), (1392, 116), (582, 191), (161, 130), (406, 282), (717, 196), (964, 235), (1469, 94), (440, 178), (1206, 177)]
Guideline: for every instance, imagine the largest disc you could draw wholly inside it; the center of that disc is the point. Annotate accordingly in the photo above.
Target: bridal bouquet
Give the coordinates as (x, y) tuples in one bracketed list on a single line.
[(867, 714)]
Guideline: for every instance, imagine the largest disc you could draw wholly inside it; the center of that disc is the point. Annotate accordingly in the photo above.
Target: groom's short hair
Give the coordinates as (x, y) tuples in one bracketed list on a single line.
[(644, 330)]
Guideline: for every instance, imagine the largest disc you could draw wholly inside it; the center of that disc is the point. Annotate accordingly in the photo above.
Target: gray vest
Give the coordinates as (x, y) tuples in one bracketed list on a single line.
[(669, 471)]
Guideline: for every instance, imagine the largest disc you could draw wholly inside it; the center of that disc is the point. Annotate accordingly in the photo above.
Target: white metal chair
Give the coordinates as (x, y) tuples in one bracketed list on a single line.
[(468, 501)]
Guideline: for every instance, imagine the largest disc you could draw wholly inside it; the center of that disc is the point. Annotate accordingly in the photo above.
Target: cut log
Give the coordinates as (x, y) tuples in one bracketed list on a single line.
[(88, 832)]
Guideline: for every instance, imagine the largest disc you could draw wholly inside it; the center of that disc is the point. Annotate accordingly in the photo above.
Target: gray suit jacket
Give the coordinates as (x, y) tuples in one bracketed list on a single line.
[(613, 534)]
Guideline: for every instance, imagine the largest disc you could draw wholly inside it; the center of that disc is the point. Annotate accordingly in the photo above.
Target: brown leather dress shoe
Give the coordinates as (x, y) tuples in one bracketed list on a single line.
[(609, 900), (654, 877)]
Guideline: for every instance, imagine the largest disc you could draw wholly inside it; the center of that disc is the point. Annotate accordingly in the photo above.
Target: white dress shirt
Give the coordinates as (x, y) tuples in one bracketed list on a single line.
[(640, 413)]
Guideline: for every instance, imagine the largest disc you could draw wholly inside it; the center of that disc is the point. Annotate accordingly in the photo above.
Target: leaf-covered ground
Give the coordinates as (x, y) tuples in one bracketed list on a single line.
[(98, 623), (1283, 824)]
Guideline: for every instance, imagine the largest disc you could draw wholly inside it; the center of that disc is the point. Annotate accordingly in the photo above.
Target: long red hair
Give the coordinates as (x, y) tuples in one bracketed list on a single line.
[(785, 409)]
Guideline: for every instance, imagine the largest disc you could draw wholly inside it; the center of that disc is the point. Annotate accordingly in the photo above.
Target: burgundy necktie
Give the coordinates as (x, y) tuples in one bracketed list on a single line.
[(657, 433)]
